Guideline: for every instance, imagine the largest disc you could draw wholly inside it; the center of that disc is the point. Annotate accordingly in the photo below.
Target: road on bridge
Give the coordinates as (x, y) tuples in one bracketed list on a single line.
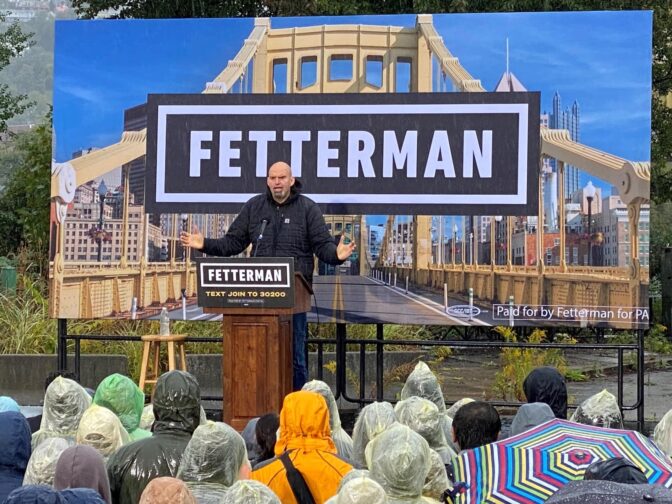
[(364, 300)]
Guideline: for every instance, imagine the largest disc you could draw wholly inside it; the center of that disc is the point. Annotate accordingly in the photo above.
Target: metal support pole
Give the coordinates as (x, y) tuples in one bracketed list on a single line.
[(445, 297), (62, 345), (379, 361), (619, 389), (511, 322), (341, 336), (471, 303), (640, 380), (362, 370), (78, 359)]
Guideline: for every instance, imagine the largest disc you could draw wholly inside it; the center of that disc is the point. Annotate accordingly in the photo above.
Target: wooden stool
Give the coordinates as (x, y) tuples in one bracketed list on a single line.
[(152, 343)]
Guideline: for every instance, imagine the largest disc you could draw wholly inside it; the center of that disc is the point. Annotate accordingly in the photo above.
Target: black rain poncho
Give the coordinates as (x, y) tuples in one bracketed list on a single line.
[(547, 385), (177, 411)]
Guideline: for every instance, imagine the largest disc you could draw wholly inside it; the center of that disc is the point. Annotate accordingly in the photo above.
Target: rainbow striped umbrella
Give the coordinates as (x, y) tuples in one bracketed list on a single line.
[(532, 466)]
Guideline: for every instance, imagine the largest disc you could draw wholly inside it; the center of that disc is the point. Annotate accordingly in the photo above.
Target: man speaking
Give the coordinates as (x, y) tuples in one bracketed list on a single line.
[(280, 223)]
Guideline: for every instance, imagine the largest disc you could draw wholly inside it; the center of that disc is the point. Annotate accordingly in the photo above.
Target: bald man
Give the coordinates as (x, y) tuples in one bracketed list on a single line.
[(295, 228)]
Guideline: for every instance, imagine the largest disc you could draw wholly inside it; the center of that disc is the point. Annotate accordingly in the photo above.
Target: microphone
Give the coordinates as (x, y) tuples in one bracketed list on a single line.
[(264, 223)]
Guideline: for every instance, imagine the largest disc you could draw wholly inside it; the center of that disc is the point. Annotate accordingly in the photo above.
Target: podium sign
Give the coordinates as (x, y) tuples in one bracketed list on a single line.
[(250, 282)]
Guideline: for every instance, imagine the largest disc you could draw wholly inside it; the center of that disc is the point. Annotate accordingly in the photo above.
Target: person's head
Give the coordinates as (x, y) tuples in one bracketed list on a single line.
[(422, 382), (423, 417), (323, 389), (249, 492), (35, 494), (166, 490), (362, 490), (65, 401), (215, 454), (601, 410), (266, 434), (372, 420), (81, 466), (399, 461), (9, 404), (530, 415), (618, 470), (177, 402), (280, 181), (14, 450), (55, 374), (547, 385), (42, 464), (304, 423), (102, 430), (476, 424), (123, 397)]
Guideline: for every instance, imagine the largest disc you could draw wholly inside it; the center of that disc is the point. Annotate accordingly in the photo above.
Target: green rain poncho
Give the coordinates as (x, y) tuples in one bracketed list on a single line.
[(123, 397)]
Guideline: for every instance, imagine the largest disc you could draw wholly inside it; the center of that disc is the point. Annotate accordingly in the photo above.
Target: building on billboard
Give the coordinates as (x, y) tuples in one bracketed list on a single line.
[(567, 120), (613, 223)]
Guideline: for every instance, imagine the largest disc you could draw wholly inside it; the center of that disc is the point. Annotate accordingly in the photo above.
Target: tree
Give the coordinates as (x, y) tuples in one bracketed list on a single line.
[(12, 43), (24, 207)]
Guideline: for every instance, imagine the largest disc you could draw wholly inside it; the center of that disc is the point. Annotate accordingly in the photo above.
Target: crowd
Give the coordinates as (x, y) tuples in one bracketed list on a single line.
[(108, 447)]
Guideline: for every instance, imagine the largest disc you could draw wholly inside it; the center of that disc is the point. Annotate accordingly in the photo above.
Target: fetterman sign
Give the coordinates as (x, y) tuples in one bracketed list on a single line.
[(447, 153)]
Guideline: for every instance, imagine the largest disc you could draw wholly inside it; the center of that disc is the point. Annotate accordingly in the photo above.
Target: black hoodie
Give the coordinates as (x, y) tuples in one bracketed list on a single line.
[(547, 385), (295, 228)]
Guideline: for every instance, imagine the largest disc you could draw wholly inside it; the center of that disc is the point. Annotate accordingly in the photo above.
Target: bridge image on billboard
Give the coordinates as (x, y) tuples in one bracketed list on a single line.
[(482, 185)]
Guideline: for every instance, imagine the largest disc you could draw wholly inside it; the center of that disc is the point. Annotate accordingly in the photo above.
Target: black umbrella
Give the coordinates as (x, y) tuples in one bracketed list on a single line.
[(608, 492)]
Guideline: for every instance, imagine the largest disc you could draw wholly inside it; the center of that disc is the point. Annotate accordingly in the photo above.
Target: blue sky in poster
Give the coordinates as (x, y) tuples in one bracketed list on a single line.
[(103, 67)]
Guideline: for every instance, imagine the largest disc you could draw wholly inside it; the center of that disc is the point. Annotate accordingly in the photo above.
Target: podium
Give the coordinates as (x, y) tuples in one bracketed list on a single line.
[(257, 356)]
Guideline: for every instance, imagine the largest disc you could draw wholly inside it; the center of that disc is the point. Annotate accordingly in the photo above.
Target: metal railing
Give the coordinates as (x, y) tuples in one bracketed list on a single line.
[(342, 341)]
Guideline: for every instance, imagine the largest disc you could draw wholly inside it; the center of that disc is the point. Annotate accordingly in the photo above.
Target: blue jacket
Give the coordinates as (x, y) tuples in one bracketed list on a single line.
[(14, 451), (35, 494)]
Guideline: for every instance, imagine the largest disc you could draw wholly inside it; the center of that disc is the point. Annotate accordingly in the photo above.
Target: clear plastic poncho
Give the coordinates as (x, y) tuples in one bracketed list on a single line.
[(600, 410), (212, 461), (123, 397), (361, 490), (42, 464), (355, 473), (424, 418), (65, 401), (101, 429), (372, 420), (437, 478), (453, 409), (662, 434), (341, 438), (422, 382), (399, 459), (147, 418), (249, 492)]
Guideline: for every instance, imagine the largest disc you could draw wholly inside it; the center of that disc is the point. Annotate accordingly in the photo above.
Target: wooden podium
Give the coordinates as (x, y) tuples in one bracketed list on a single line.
[(257, 356)]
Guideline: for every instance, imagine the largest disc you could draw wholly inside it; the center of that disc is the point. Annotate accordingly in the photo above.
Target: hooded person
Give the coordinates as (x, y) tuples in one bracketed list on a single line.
[(123, 397), (14, 451), (618, 470), (399, 459), (177, 409), (35, 494), (547, 385), (81, 496), (530, 415), (341, 438), (437, 480), (662, 434), (167, 490), (147, 418), (81, 466), (424, 418), (265, 432), (360, 490), (422, 382), (101, 429), (214, 459), (9, 404), (372, 420), (42, 464), (250, 436), (304, 445), (249, 492), (601, 410), (65, 401), (455, 407)]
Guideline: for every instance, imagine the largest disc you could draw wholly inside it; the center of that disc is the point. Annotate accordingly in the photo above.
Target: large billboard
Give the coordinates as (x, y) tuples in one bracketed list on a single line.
[(493, 169)]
